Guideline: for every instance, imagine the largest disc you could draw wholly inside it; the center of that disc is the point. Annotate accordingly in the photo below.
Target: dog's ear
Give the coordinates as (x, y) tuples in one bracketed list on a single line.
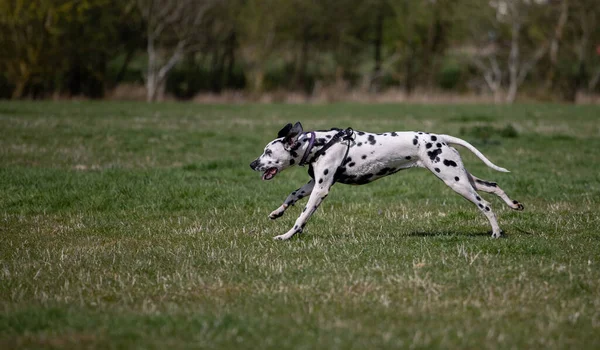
[(286, 129), (293, 133)]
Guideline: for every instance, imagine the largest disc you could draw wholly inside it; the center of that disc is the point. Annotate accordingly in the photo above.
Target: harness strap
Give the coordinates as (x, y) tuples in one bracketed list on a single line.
[(342, 134), (311, 143)]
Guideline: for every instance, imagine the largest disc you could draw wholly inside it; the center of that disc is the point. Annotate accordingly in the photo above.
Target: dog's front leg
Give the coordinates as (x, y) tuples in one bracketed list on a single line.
[(317, 196), (323, 180), (292, 199)]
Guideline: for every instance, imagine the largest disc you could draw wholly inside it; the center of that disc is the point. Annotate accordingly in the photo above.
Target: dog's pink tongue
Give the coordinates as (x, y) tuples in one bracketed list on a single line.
[(269, 174)]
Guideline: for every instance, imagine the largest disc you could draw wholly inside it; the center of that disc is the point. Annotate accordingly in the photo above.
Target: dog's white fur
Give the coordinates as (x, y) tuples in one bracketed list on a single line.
[(366, 157)]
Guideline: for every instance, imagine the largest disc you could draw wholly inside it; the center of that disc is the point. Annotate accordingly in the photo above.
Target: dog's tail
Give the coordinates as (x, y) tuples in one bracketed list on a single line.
[(470, 147)]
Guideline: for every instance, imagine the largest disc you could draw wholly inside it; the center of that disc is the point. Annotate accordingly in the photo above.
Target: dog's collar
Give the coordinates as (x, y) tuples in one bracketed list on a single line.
[(311, 143)]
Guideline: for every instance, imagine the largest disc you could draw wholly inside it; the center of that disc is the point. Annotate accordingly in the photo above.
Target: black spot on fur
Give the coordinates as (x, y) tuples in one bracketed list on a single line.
[(383, 171), (448, 162), (478, 198), (515, 202), (480, 205), (433, 138), (328, 136), (296, 146), (361, 133), (428, 145), (326, 172), (456, 178), (487, 208), (486, 183), (352, 164), (433, 154), (364, 156), (359, 144), (348, 160), (294, 154), (438, 145), (372, 139), (303, 210), (407, 157), (415, 141), (420, 133), (437, 170), (292, 162), (394, 134), (320, 181)]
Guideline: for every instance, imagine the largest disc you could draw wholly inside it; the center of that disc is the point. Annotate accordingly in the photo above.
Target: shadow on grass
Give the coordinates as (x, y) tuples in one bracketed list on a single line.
[(448, 233)]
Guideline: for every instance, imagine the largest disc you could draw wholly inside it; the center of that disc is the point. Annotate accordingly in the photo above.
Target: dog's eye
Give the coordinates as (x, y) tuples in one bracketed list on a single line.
[(268, 152)]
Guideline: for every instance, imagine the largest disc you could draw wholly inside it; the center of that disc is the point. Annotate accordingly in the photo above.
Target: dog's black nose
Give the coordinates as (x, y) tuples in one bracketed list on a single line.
[(254, 164)]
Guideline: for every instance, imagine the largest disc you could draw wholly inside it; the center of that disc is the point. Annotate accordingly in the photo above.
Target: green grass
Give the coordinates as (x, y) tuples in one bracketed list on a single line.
[(127, 225)]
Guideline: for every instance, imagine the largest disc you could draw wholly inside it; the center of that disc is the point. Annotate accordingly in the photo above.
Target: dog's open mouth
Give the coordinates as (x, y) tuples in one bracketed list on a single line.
[(269, 174)]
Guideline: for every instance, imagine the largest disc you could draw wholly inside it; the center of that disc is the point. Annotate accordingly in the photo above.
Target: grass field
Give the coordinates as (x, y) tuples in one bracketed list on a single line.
[(142, 226)]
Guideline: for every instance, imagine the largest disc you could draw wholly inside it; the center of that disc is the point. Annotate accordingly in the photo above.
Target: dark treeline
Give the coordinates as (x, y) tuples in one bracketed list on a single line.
[(546, 49)]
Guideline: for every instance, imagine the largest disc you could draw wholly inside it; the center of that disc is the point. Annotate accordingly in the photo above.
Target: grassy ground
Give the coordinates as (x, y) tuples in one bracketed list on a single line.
[(142, 226)]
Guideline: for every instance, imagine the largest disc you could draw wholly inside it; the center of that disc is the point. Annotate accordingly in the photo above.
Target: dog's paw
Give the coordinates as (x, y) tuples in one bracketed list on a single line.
[(497, 234), (517, 206), (276, 214), (282, 237)]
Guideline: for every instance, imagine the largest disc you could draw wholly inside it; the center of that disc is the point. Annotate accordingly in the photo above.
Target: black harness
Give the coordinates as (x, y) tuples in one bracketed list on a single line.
[(342, 135)]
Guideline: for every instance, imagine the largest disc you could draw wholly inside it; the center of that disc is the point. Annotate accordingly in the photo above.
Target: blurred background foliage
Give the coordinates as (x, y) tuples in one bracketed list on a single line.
[(541, 49)]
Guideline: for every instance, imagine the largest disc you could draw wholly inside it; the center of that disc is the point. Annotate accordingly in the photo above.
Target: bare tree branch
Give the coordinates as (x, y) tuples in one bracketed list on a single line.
[(172, 28)]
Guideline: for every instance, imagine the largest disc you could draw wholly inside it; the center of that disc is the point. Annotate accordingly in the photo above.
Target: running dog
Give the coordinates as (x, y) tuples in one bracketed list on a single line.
[(357, 158)]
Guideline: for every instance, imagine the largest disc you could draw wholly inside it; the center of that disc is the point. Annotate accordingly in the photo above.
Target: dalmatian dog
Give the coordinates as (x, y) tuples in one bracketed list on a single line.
[(357, 158)]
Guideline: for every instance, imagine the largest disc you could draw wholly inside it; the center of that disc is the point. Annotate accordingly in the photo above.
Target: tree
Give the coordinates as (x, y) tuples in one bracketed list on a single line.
[(585, 39), (509, 38), (28, 33), (420, 37), (259, 22), (171, 32), (55, 46)]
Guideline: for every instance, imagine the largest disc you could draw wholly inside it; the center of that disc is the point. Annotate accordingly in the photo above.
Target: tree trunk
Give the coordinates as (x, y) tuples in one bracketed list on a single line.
[(301, 80), (554, 45), (378, 44), (513, 62), (230, 54), (151, 72), (20, 85), (156, 75)]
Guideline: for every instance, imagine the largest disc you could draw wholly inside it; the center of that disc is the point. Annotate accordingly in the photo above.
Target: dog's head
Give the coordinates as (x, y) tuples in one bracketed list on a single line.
[(280, 153)]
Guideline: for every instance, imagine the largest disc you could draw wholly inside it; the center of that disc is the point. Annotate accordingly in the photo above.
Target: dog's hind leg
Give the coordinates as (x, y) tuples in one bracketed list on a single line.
[(295, 196), (453, 173), (492, 187)]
